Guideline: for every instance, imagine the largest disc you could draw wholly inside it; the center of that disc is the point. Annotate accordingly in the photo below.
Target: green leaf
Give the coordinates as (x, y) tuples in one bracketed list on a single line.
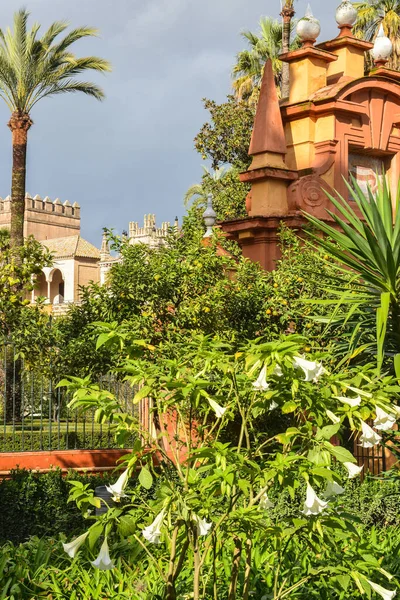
[(94, 533), (142, 393), (145, 478), (340, 453), (397, 365), (328, 432), (289, 407)]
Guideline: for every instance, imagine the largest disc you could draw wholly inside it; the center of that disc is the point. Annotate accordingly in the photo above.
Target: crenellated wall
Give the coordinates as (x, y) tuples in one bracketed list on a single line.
[(148, 234), (44, 219)]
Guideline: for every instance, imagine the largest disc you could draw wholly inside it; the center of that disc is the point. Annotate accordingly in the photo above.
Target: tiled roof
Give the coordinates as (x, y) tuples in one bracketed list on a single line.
[(70, 247)]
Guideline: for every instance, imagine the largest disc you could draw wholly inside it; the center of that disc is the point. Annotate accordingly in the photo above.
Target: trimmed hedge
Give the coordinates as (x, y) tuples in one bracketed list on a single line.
[(36, 504), (34, 441)]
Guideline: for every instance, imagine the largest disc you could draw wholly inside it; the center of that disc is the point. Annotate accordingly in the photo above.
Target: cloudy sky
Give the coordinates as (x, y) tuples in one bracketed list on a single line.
[(133, 153)]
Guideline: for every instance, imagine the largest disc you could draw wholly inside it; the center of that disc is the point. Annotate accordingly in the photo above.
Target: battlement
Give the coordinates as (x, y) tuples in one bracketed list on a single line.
[(149, 230), (44, 218), (44, 204)]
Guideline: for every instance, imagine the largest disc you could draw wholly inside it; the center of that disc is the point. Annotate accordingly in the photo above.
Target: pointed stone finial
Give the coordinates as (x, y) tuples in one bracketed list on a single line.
[(105, 248), (382, 49), (268, 134), (308, 28), (209, 216), (76, 205), (67, 203)]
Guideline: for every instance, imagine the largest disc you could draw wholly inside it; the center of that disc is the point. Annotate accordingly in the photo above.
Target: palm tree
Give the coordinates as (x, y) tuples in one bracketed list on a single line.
[(250, 63), (287, 15), (198, 193), (373, 13), (32, 69)]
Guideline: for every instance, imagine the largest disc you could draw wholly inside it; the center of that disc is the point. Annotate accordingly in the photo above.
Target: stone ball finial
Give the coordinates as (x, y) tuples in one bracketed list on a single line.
[(308, 28), (382, 49), (346, 14)]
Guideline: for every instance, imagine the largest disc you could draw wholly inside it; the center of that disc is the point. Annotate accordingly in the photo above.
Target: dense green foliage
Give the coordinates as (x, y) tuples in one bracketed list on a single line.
[(36, 504), (185, 288), (215, 398)]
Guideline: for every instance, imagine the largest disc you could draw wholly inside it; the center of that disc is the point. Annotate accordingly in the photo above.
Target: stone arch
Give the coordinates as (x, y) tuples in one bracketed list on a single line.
[(56, 286), (40, 284)]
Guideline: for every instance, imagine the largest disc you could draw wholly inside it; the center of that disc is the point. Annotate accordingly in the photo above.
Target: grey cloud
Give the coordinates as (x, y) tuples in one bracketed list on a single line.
[(134, 153)]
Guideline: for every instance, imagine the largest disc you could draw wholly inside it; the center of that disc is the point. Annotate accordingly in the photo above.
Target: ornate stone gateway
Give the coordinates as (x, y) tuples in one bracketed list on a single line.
[(336, 122)]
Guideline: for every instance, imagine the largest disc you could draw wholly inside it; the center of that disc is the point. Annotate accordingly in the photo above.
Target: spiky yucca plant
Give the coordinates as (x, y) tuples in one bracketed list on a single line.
[(369, 245), (32, 68)]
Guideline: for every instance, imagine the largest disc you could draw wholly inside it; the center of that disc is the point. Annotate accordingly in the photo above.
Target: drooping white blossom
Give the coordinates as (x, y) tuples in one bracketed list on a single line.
[(117, 489), (273, 405), (203, 527), (353, 402), (278, 371), (333, 489), (334, 418), (219, 410), (152, 533), (313, 505), (354, 470), (383, 421), (383, 592), (265, 502), (312, 370), (72, 548), (261, 382), (369, 438), (103, 561)]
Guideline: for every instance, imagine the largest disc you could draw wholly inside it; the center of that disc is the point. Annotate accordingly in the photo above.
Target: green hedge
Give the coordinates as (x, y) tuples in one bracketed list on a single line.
[(34, 441), (36, 504)]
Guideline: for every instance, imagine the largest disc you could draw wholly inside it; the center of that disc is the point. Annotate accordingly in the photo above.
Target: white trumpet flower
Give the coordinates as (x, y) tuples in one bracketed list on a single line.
[(335, 419), (117, 489), (219, 410), (203, 527), (369, 437), (312, 370), (383, 420), (152, 533), (103, 561), (353, 402), (383, 592), (354, 470), (72, 548), (278, 371), (333, 489), (273, 405), (261, 382), (313, 505), (265, 502)]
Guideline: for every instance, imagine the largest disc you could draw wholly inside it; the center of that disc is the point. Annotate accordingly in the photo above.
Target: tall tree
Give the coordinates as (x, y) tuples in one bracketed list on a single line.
[(249, 67), (266, 45), (372, 14), (32, 69), (287, 16)]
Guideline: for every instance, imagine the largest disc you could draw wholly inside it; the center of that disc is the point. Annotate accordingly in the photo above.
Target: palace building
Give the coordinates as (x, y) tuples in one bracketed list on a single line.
[(338, 120), (76, 262)]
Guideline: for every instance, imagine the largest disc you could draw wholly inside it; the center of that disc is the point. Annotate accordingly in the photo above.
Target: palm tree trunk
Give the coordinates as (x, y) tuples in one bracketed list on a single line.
[(287, 14), (19, 124)]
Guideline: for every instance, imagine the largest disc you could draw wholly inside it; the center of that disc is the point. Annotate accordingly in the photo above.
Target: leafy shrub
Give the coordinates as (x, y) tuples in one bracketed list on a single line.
[(37, 504)]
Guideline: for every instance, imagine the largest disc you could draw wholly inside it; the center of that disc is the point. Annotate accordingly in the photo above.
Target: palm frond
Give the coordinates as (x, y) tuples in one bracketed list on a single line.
[(32, 68)]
